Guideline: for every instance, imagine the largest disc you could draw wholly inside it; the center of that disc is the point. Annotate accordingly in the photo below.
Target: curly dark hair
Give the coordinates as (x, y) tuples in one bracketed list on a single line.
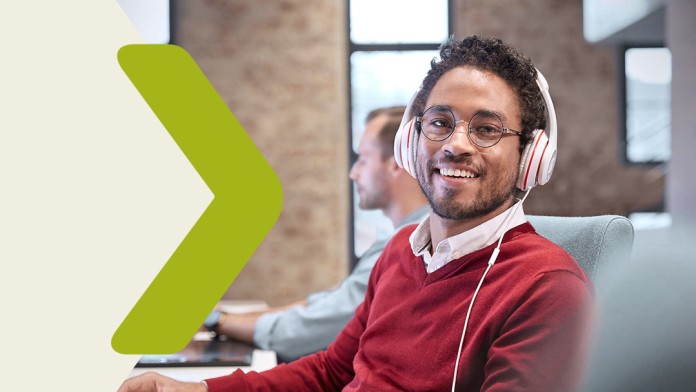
[(490, 54)]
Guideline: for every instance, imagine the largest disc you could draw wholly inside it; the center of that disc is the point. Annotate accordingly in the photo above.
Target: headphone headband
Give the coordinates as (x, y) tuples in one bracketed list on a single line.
[(539, 156)]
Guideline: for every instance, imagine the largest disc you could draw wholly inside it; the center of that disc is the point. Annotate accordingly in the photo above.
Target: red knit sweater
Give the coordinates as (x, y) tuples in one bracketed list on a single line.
[(526, 332)]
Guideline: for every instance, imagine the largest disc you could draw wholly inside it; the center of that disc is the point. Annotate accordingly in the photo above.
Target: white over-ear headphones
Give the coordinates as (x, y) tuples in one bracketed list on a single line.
[(406, 140), (537, 160)]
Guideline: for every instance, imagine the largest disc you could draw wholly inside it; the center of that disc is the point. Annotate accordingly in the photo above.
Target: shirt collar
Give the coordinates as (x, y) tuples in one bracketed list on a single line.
[(463, 243)]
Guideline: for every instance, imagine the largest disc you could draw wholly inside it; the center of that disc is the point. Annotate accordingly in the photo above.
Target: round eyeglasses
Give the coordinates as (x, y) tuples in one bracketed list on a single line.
[(485, 128)]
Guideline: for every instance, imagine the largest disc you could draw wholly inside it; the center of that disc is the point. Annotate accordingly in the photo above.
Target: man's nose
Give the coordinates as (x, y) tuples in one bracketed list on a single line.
[(352, 172), (459, 142)]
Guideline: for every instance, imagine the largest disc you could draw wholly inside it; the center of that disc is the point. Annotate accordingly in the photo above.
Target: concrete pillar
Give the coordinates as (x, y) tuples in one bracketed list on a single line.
[(681, 180)]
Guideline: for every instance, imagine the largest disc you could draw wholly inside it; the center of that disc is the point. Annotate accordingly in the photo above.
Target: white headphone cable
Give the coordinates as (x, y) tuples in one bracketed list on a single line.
[(491, 261)]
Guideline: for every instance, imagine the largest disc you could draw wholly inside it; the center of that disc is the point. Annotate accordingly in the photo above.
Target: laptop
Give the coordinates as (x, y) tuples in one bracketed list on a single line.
[(202, 352)]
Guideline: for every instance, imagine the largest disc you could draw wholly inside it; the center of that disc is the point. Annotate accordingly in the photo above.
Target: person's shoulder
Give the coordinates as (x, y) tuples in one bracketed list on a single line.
[(399, 246), (400, 240), (406, 231), (379, 246)]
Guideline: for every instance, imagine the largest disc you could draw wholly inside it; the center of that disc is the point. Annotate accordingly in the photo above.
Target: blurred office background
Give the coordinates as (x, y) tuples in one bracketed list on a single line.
[(300, 75)]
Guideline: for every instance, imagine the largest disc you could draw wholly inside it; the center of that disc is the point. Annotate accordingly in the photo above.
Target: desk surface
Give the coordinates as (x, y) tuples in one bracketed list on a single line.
[(261, 359)]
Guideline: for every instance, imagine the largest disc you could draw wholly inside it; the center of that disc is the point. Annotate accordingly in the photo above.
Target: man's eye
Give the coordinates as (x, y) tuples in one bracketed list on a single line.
[(440, 123), (487, 130)]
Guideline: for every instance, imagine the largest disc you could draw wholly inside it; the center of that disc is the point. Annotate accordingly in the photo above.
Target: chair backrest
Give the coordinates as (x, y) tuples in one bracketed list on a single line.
[(595, 242)]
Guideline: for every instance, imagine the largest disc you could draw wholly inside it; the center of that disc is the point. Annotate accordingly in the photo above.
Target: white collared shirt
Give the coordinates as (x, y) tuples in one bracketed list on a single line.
[(464, 243)]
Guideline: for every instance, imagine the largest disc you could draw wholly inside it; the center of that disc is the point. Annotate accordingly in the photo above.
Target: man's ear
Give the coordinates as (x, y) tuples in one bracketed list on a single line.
[(394, 168)]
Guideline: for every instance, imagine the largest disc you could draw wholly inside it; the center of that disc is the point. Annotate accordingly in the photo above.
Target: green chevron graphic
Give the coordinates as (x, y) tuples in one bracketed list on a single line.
[(248, 199)]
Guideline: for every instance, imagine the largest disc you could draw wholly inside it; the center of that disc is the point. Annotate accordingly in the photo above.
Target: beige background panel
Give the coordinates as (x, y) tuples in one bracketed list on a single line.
[(95, 194)]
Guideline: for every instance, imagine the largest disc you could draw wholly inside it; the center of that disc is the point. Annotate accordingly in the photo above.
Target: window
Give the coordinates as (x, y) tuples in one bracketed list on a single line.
[(647, 118), (391, 45), (151, 19), (648, 76)]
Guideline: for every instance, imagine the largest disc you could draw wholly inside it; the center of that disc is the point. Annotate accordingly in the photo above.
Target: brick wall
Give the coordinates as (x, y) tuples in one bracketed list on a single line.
[(281, 68)]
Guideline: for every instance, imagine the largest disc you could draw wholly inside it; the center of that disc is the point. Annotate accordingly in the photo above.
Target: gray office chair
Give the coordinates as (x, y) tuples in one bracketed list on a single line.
[(595, 242)]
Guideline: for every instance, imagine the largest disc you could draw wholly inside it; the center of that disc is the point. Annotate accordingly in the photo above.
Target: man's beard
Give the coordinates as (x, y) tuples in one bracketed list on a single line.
[(448, 207), (371, 201), (375, 197)]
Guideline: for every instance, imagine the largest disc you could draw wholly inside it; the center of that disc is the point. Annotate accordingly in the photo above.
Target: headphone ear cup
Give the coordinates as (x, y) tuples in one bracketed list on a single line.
[(546, 165), (531, 161), (404, 147), (412, 147), (397, 147)]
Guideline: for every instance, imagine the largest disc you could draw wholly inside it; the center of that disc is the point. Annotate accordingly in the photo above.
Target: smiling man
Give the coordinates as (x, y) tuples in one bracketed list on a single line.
[(472, 299)]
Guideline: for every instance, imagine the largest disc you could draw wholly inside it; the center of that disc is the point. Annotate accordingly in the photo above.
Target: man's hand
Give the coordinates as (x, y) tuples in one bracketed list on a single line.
[(154, 382), (238, 326)]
